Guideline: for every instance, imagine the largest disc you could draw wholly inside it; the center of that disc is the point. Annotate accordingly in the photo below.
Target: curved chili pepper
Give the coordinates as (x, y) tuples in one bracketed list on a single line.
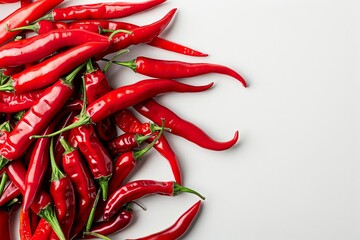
[(5, 223), (100, 10), (127, 122), (126, 96), (11, 102), (25, 225), (33, 49), (63, 194), (51, 69), (42, 205), (156, 112), (10, 192), (37, 118), (43, 231), (115, 224), (143, 34), (177, 69), (141, 188), (156, 42), (24, 15), (126, 142), (126, 162), (83, 184), (179, 228)]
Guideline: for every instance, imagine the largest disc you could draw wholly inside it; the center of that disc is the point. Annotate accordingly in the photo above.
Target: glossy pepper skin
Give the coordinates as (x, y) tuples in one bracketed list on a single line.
[(43, 231), (127, 122), (25, 225), (101, 10), (84, 185), (5, 223), (51, 69), (37, 118), (10, 192), (12, 103), (141, 188), (179, 126), (24, 15), (158, 68), (33, 49), (179, 228), (156, 42), (126, 142)]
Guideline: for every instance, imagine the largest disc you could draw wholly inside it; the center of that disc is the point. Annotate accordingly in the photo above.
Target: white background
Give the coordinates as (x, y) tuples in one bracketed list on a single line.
[(294, 173)]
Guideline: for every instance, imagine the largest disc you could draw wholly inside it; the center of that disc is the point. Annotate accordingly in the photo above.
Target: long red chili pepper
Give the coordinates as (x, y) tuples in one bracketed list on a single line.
[(126, 162), (83, 184), (126, 142), (115, 224), (177, 69), (42, 205), (37, 118), (25, 225), (179, 228), (156, 112), (51, 69), (10, 192), (43, 231), (12, 103), (156, 42), (5, 223), (127, 122), (141, 188), (24, 15), (100, 10), (63, 194), (33, 49)]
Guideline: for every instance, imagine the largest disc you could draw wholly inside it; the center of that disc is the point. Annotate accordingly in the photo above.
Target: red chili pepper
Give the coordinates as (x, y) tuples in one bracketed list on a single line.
[(138, 35), (156, 112), (115, 224), (10, 192), (12, 103), (156, 42), (37, 118), (106, 130), (5, 223), (42, 205), (126, 142), (176, 69), (100, 10), (179, 228), (141, 188), (23, 16), (33, 49), (126, 162), (25, 225), (43, 26), (37, 168), (127, 122), (63, 194), (51, 69), (84, 185), (43, 231)]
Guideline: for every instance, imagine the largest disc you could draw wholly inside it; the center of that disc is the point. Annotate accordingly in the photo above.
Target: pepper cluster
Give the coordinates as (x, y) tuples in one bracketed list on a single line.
[(62, 121)]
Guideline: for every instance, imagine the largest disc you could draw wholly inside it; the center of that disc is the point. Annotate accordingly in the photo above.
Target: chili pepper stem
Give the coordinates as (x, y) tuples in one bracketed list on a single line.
[(97, 235), (118, 31), (130, 64), (67, 147), (142, 138), (109, 62), (154, 127), (92, 213), (33, 27), (178, 189), (4, 179), (48, 16), (8, 86), (104, 183), (49, 215), (56, 173)]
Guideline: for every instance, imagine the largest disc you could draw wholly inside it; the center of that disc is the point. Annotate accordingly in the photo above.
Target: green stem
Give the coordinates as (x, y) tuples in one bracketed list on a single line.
[(48, 16), (3, 162), (92, 213), (71, 76), (119, 31), (104, 183), (89, 66), (130, 64), (113, 58), (178, 188), (19, 115), (3, 182), (104, 30), (8, 86), (67, 147), (32, 27), (98, 235), (56, 173), (138, 154), (48, 214), (154, 127)]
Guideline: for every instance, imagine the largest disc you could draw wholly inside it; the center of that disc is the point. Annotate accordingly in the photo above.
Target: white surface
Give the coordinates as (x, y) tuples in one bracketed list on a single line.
[(294, 174)]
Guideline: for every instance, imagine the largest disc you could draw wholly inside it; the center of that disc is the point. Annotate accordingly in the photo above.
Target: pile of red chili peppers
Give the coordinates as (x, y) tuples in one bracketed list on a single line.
[(69, 142)]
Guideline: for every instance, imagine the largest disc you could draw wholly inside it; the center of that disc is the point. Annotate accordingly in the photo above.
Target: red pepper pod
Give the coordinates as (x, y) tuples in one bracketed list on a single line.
[(130, 95), (33, 49), (172, 69), (24, 15), (51, 69), (12, 102), (25, 225), (10, 192), (141, 188), (43, 231), (5, 223), (126, 142), (179, 228), (156, 112), (101, 10)]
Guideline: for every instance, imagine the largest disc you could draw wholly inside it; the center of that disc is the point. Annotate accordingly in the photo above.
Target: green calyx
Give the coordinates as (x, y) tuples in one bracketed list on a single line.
[(104, 183), (8, 86), (130, 64), (67, 147), (118, 31), (5, 126), (32, 27), (154, 127), (178, 189), (48, 214)]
